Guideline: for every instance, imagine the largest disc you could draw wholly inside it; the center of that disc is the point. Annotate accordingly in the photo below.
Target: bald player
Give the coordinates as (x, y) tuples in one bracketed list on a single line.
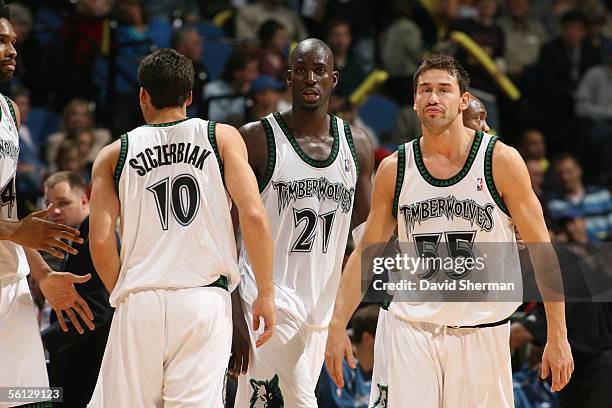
[(314, 172)]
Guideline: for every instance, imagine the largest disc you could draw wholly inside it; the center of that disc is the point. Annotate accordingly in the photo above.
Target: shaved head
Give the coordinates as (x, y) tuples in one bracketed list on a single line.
[(312, 45), (475, 116)]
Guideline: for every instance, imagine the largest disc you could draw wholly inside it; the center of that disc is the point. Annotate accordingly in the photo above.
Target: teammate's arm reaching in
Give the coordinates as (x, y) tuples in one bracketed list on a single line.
[(104, 210), (513, 183), (242, 186), (363, 192), (378, 229)]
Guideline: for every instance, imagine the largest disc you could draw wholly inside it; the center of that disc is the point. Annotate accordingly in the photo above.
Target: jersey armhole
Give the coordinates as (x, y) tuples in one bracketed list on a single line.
[(212, 138), (349, 139), (271, 155), (488, 170), (121, 160), (399, 180), (12, 110)]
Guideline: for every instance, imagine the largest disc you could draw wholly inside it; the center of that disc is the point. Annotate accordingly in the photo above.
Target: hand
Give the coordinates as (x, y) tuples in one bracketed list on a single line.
[(263, 307), (36, 232), (239, 359), (557, 360), (58, 288), (519, 240), (338, 346)]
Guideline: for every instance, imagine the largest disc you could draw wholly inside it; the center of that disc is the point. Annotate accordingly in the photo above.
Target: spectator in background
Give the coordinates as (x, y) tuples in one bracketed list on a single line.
[(594, 104), (78, 115), (523, 38), (85, 35), (132, 43), (188, 41), (187, 10), (536, 175), (75, 359), (562, 63), (273, 42), (265, 96), (489, 35), (338, 37), (596, 37), (250, 18), (30, 168), (401, 52), (356, 391), (225, 98), (593, 203), (532, 146)]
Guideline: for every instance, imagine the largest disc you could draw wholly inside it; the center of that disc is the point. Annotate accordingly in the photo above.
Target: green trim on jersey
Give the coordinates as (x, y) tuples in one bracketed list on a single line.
[(165, 124), (488, 169), (222, 283), (12, 109), (307, 159), (399, 180), (349, 139), (121, 160), (271, 155), (385, 304), (212, 138), (418, 157)]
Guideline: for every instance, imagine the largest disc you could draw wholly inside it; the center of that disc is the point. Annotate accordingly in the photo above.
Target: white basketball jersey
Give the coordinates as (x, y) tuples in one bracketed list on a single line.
[(175, 212), (450, 218), (309, 204), (13, 263)]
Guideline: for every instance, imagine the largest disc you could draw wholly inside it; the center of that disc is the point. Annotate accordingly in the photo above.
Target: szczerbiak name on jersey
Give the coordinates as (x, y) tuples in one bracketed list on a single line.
[(168, 154)]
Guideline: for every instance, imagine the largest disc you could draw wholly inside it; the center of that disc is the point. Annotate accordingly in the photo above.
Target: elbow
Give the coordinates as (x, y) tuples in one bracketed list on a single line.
[(254, 215)]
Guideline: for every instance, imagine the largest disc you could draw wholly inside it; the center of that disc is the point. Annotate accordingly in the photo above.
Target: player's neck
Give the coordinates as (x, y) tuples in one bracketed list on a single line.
[(166, 115), (448, 142), (303, 122)]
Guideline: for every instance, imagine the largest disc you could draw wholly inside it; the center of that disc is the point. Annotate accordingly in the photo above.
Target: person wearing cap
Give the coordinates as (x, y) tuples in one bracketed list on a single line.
[(265, 95)]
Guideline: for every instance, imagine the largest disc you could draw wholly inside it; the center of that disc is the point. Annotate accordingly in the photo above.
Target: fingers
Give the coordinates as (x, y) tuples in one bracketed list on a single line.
[(265, 336), (337, 370), (53, 252), (545, 368), (84, 317), (57, 234), (61, 321), (79, 278), (348, 350), (41, 214), (85, 307), (255, 321)]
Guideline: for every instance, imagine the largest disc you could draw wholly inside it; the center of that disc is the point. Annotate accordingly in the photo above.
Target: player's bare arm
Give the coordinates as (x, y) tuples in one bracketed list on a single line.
[(104, 211), (242, 186), (35, 232), (254, 137), (379, 226), (59, 290), (363, 193), (512, 181)]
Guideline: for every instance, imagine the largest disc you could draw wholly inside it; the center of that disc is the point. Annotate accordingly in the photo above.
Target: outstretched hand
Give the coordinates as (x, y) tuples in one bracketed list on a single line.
[(59, 290), (36, 232)]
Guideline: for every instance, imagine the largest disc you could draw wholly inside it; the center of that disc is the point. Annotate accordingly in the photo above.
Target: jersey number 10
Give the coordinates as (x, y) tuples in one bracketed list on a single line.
[(182, 196)]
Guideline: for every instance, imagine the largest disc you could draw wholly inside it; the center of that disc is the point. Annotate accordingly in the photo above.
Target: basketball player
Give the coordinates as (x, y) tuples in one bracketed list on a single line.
[(314, 173), (474, 117), (170, 339), (450, 354), (22, 360)]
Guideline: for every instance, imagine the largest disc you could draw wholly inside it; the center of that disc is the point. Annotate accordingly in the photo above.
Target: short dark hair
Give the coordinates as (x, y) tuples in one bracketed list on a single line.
[(566, 156), (267, 30), (364, 321), (444, 63), (574, 15), (73, 179), (5, 11), (167, 76), (238, 59)]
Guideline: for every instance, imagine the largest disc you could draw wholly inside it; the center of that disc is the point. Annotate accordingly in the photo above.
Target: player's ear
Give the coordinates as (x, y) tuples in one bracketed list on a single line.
[(288, 78), (143, 97), (189, 99), (465, 101), (335, 78)]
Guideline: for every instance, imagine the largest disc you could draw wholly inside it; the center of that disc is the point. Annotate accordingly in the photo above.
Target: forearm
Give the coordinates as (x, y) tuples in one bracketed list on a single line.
[(349, 293), (106, 260), (7, 229), (258, 242), (550, 283), (38, 267)]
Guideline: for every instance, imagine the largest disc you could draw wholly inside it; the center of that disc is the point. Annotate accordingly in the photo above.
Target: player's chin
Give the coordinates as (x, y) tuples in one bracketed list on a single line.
[(5, 74)]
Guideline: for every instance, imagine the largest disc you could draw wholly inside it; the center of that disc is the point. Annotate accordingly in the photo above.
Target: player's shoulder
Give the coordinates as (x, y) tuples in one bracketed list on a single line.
[(252, 131), (363, 146), (254, 136), (505, 156), (109, 155)]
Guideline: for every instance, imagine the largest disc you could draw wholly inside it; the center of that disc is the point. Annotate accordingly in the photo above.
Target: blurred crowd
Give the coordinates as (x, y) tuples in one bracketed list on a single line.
[(76, 87)]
